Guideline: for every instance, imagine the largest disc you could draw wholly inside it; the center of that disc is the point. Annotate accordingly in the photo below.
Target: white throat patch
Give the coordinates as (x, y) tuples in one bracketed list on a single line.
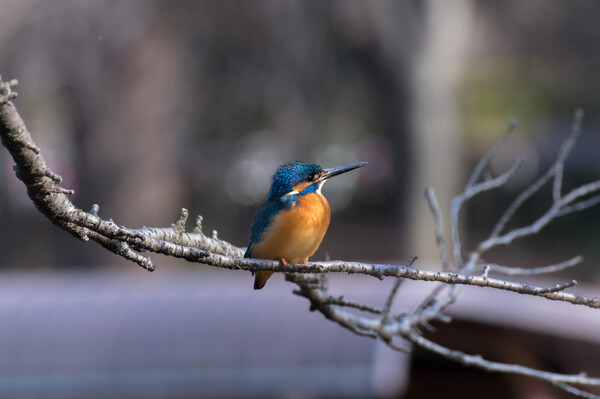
[(318, 190), (293, 192)]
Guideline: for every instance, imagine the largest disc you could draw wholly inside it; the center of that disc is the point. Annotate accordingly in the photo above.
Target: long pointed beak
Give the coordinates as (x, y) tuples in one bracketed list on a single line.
[(338, 170)]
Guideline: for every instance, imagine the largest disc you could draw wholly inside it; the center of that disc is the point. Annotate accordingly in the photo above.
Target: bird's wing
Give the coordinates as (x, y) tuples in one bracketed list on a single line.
[(263, 218)]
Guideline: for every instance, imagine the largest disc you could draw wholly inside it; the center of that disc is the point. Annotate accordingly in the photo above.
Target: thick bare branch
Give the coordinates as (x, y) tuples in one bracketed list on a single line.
[(51, 199)]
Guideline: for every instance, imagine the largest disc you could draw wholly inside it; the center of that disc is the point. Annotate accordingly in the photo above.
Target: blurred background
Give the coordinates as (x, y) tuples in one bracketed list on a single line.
[(148, 106)]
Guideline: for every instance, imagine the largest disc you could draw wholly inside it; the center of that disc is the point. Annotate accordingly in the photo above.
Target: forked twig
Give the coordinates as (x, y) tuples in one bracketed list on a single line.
[(51, 199)]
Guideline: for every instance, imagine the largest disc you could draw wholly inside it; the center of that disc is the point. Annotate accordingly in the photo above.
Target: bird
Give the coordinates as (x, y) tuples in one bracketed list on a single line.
[(290, 225)]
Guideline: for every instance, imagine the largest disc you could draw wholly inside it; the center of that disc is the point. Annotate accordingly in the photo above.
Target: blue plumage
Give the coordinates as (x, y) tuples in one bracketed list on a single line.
[(292, 222), (284, 180), (262, 219), (290, 174)]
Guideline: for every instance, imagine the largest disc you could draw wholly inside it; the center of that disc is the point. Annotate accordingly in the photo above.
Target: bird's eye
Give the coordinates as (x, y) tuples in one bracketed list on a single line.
[(313, 177)]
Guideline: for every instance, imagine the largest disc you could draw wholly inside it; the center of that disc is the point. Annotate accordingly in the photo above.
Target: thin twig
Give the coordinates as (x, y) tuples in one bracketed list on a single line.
[(478, 361), (575, 391), (485, 161), (542, 221), (438, 227), (340, 301), (541, 181), (578, 206), (470, 192), (51, 200), (390, 300), (519, 271), (564, 152), (560, 287), (403, 349)]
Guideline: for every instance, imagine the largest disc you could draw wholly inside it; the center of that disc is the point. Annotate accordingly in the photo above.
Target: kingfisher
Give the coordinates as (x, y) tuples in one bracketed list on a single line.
[(290, 225)]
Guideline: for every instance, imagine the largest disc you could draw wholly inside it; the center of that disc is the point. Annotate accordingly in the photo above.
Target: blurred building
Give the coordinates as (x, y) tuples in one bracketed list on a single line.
[(187, 334)]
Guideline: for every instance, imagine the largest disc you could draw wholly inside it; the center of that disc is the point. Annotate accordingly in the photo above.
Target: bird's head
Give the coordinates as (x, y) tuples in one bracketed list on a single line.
[(298, 177)]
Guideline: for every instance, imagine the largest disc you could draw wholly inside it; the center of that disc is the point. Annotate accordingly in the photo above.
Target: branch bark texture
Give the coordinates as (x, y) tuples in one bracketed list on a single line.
[(399, 331)]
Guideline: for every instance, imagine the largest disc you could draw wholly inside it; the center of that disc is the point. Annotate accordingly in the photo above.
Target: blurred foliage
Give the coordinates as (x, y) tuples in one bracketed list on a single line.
[(148, 106), (492, 97)]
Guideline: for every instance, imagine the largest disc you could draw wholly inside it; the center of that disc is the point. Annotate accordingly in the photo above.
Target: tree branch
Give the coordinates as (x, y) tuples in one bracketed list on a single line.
[(43, 187), (559, 380), (519, 271), (438, 227)]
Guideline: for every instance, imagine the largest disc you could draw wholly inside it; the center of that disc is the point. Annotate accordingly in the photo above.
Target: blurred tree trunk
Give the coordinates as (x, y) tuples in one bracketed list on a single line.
[(437, 69)]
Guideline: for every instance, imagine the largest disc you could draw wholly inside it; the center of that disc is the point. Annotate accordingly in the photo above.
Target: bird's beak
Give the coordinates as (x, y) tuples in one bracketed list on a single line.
[(338, 170)]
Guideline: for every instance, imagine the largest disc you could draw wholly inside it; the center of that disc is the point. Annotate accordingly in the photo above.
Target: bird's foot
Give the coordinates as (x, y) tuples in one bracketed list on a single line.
[(304, 262), (283, 262)]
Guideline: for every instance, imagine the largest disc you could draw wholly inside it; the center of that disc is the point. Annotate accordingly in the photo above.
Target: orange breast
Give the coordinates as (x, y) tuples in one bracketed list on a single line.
[(296, 234)]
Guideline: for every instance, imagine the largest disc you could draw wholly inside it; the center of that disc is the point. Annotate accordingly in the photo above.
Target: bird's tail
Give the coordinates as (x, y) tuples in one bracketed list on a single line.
[(260, 278)]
